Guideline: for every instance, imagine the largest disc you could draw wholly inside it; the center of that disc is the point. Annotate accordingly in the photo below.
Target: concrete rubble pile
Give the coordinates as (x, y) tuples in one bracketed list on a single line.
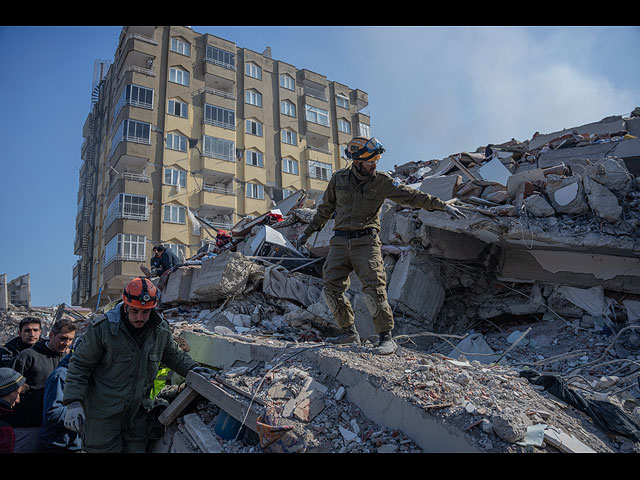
[(541, 283)]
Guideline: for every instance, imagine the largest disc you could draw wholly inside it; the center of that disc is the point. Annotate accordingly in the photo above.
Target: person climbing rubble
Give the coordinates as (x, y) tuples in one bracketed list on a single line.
[(355, 194), (112, 372)]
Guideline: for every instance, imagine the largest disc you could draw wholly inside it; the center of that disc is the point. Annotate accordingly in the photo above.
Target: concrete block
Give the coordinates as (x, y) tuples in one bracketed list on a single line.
[(178, 286), (444, 187), (415, 287), (538, 206), (604, 203), (318, 243), (567, 194), (220, 277), (201, 434), (613, 174)]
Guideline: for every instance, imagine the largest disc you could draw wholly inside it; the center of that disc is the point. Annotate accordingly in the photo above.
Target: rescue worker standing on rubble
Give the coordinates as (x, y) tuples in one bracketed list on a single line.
[(112, 371), (355, 194)]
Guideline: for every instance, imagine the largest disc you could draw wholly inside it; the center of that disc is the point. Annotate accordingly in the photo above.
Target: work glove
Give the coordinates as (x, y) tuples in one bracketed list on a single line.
[(302, 240), (454, 212), (204, 371), (74, 416)]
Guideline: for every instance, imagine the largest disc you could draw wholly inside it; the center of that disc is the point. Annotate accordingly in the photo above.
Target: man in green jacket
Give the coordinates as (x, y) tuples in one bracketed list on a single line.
[(113, 368), (355, 195)]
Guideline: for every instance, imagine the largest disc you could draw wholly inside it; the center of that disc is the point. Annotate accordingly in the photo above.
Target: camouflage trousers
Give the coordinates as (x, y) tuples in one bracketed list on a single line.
[(364, 256)]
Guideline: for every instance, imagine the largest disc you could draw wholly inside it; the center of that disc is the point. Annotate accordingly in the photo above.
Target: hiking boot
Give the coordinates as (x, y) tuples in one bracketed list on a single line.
[(386, 345), (347, 337)]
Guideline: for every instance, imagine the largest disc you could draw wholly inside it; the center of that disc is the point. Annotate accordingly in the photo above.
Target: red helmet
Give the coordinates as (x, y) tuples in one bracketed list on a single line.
[(140, 293)]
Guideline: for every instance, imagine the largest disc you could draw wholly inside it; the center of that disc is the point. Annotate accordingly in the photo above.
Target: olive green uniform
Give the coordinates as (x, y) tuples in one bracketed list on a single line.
[(112, 374), (356, 201)]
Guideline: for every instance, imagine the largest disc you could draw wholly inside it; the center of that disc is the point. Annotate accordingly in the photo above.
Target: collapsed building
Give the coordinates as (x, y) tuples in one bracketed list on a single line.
[(550, 242)]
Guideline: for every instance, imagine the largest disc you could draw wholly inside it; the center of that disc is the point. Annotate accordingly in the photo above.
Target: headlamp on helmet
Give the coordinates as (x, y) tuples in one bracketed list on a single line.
[(140, 293)]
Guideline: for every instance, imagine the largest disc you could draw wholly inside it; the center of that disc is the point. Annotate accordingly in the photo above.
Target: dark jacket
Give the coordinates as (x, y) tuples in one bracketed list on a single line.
[(36, 364), (53, 433), (10, 349), (167, 260), (7, 435)]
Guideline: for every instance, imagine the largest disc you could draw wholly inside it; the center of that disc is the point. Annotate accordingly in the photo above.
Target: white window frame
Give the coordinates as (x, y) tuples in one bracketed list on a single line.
[(132, 131), (287, 107), (175, 177), (253, 127), (128, 206), (344, 125), (289, 137), (317, 115), (175, 141), (320, 170), (180, 46), (290, 166), (178, 249), (255, 190), (254, 158), (127, 247), (219, 148), (174, 214), (179, 76), (287, 81), (364, 130), (342, 100), (253, 97), (219, 116), (253, 70), (178, 108)]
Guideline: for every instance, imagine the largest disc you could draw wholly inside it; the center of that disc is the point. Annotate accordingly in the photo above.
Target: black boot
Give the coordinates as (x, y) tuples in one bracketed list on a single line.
[(386, 345), (348, 336)]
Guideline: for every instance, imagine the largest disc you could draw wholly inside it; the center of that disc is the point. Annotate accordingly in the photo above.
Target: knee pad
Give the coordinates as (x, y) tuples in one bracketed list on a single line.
[(375, 303), (333, 300)]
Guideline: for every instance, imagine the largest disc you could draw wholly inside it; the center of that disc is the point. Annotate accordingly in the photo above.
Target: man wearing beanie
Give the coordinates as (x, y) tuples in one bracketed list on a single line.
[(11, 386)]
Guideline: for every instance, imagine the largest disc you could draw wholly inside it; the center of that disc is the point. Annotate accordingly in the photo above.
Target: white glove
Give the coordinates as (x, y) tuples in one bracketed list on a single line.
[(454, 212), (74, 416)]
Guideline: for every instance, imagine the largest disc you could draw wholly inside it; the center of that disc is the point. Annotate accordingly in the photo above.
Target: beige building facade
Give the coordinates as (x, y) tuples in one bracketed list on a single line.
[(185, 125)]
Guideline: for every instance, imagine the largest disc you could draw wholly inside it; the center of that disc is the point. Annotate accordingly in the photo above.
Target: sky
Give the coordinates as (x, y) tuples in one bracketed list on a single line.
[(433, 92)]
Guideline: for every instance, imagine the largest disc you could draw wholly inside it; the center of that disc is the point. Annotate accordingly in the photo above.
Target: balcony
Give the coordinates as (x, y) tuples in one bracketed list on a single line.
[(218, 196)]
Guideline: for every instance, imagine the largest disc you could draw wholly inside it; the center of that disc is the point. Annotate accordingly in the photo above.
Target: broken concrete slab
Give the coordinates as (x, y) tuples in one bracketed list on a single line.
[(280, 283), (538, 206), (201, 434), (567, 194), (602, 201), (178, 286), (221, 276), (444, 187), (415, 287)]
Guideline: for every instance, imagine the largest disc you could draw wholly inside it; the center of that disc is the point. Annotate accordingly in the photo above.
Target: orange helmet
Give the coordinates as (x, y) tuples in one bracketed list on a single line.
[(364, 149), (140, 293)]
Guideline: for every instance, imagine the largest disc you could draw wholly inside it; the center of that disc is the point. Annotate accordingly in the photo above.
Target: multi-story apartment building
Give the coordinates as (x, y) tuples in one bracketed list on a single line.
[(183, 124)]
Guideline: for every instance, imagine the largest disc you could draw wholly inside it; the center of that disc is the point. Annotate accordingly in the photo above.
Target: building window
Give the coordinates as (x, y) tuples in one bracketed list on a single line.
[(174, 214), (253, 97), (181, 47), (255, 191), (175, 177), (132, 131), (219, 117), (219, 148), (124, 246), (177, 75), (253, 127), (317, 115), (320, 170), (136, 96), (289, 165), (128, 206), (344, 126), (178, 108), (254, 158), (253, 70), (342, 101), (287, 81), (176, 142), (287, 108), (290, 137), (179, 250), (220, 57), (364, 129), (287, 191)]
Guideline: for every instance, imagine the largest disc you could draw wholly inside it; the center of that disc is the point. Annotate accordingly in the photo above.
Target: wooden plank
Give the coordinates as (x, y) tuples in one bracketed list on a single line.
[(222, 399), (175, 408)]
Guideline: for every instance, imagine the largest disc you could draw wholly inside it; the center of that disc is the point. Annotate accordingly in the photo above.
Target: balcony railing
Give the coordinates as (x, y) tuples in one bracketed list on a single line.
[(138, 177), (220, 93), (216, 189)]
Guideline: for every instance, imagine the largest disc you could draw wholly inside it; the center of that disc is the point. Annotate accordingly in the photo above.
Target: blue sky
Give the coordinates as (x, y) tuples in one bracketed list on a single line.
[(433, 91)]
